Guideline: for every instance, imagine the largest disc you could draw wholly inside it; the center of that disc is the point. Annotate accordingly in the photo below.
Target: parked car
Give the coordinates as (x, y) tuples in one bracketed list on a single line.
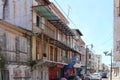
[(74, 78), (82, 76), (63, 78), (103, 74), (96, 76), (87, 76)]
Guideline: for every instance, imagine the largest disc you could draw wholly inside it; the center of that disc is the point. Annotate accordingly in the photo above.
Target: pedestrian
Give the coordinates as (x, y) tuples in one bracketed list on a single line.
[(63, 78), (78, 78)]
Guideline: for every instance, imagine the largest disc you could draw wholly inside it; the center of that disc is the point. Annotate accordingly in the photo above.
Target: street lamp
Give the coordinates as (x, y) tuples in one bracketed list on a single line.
[(109, 54), (87, 50)]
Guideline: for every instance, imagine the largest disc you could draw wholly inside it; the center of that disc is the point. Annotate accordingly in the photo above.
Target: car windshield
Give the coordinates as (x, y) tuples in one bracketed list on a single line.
[(87, 74), (96, 74)]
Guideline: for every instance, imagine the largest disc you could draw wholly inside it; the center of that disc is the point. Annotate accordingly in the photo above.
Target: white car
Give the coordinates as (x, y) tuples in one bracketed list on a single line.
[(96, 76)]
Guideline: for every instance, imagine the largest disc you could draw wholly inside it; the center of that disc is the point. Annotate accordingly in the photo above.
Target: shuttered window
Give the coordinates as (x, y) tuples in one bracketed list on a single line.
[(117, 6)]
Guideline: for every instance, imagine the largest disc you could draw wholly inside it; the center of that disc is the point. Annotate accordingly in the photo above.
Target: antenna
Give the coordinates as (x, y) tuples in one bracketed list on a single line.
[(69, 8)]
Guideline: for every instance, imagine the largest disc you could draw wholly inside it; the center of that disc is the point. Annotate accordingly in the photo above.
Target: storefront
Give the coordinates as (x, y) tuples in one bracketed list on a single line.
[(78, 69), (19, 72), (69, 72), (55, 71), (41, 70), (69, 69)]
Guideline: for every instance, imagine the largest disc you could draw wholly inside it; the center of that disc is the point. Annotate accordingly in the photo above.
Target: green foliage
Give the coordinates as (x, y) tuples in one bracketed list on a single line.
[(2, 62), (32, 63)]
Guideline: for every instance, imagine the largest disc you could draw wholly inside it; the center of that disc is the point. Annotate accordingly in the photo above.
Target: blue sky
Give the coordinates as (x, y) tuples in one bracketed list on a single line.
[(94, 18)]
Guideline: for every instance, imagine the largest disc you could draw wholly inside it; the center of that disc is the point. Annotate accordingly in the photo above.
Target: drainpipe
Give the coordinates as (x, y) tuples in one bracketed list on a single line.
[(5, 2)]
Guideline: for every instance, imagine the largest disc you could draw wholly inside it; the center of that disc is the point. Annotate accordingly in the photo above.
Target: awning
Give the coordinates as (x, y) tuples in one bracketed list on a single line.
[(46, 12), (48, 62), (71, 64), (77, 65)]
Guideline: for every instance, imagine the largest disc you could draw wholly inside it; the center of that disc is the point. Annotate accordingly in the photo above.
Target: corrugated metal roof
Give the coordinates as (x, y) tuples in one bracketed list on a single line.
[(46, 12)]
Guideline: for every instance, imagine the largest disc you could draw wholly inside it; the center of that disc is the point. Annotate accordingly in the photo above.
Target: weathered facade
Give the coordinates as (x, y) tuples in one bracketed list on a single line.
[(39, 34), (79, 47), (53, 39), (116, 34), (16, 51)]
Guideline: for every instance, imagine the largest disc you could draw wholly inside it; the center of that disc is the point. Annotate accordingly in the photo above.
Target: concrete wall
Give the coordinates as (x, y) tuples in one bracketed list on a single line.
[(8, 37), (41, 73), (116, 34), (16, 71), (18, 12)]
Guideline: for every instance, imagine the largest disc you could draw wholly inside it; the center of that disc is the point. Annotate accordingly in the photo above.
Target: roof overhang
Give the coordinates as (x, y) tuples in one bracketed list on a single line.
[(79, 32), (48, 62), (46, 12), (47, 1), (17, 28)]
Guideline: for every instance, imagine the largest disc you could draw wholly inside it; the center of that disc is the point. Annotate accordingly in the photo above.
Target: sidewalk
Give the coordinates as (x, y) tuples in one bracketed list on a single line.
[(114, 77)]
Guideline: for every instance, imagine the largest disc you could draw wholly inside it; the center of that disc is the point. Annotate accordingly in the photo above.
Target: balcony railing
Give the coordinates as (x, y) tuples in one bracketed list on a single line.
[(51, 33), (13, 57), (44, 29), (48, 31)]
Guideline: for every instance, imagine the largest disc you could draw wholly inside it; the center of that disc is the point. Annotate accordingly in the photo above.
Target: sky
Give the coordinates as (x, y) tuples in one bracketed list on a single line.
[(94, 18)]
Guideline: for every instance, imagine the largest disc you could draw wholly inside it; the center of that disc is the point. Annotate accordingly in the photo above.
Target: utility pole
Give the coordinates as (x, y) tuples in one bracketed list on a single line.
[(109, 54), (86, 59), (111, 65)]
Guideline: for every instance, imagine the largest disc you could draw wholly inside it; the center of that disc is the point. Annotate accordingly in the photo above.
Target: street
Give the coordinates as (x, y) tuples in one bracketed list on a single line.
[(105, 79)]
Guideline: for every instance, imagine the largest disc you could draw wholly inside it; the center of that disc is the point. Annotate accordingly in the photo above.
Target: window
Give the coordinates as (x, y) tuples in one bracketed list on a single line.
[(51, 53), (23, 44), (41, 75), (4, 75), (40, 22), (118, 46), (37, 50)]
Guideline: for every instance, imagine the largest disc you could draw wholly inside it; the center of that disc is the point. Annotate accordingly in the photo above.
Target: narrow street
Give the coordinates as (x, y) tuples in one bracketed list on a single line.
[(105, 79)]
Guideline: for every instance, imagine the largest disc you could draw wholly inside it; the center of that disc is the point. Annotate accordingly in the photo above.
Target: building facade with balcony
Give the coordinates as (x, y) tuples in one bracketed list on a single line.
[(98, 61), (15, 52), (52, 45), (52, 42), (79, 46)]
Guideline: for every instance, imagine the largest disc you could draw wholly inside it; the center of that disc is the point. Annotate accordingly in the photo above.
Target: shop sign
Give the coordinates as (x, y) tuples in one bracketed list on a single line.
[(60, 65)]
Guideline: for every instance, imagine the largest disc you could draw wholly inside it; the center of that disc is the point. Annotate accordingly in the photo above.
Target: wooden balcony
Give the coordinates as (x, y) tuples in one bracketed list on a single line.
[(64, 60), (47, 13), (45, 30)]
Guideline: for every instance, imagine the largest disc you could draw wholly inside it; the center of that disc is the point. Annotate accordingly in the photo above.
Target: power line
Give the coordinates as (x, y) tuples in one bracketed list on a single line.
[(68, 17), (66, 14)]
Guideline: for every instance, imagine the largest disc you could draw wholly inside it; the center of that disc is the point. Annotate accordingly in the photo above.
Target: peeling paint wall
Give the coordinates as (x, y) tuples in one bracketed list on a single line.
[(19, 72), (1, 9), (16, 45), (20, 13), (116, 34)]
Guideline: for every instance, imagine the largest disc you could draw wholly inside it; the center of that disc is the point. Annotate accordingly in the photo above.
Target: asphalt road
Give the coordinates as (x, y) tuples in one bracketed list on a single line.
[(105, 79)]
